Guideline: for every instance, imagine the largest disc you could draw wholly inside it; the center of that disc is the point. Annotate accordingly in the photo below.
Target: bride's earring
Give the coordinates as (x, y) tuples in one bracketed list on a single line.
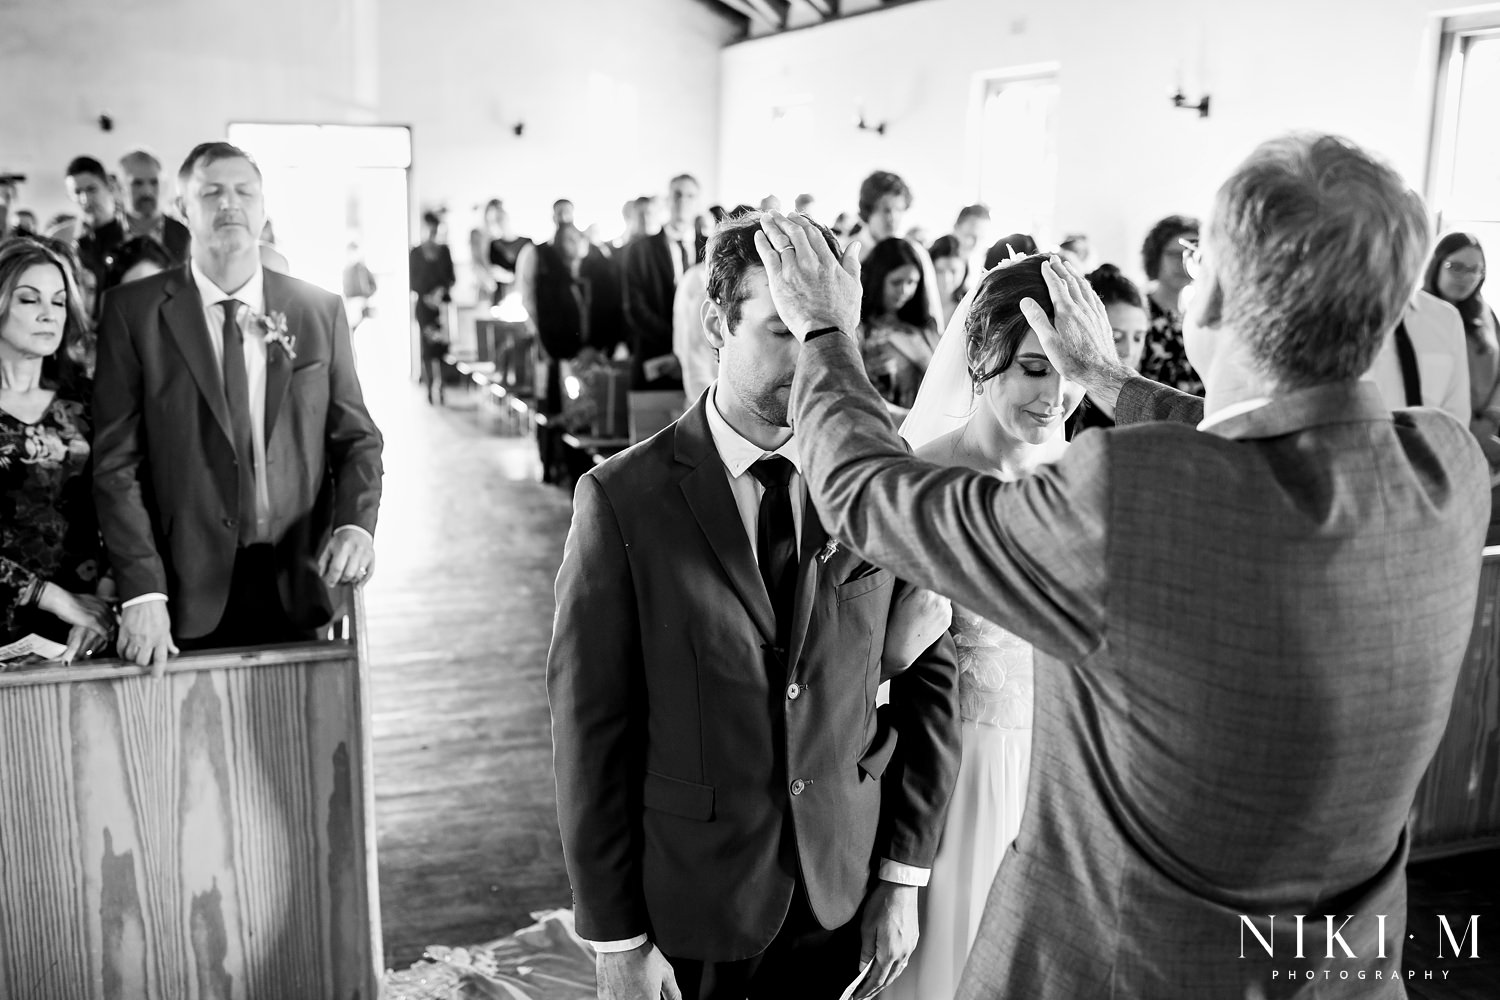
[(978, 387)]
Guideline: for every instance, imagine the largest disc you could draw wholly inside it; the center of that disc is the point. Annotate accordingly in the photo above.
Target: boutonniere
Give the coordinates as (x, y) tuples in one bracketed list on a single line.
[(274, 325), (828, 552)]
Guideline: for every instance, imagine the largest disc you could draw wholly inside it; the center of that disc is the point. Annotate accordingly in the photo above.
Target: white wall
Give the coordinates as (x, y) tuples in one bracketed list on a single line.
[(617, 96), (1362, 68)]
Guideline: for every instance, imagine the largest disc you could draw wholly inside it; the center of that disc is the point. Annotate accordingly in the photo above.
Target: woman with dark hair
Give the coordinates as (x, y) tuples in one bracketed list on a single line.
[(139, 257), (51, 555), (992, 401), (1126, 307), (1456, 275), (897, 331), (1165, 359)]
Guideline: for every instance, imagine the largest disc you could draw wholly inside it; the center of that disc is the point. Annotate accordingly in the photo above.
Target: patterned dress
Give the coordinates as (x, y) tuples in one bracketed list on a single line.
[(995, 698), (1164, 358), (48, 529)]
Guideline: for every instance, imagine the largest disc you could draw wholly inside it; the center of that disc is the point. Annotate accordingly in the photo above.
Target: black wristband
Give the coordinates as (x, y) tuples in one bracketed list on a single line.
[(819, 332)]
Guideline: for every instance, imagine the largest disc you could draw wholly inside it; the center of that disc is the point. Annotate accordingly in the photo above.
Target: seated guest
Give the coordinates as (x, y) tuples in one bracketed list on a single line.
[(1165, 359), (101, 228), (1006, 247), (1126, 308), (951, 267), (52, 580), (1455, 274), (237, 471), (136, 258), (1424, 362), (884, 200), (143, 215), (897, 332)]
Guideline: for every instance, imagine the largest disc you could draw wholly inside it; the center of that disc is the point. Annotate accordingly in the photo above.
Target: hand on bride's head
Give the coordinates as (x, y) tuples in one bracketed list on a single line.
[(1078, 340)]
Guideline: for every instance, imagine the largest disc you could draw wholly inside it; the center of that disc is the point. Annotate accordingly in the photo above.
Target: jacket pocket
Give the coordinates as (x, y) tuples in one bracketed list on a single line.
[(862, 585), (876, 759), (680, 798)]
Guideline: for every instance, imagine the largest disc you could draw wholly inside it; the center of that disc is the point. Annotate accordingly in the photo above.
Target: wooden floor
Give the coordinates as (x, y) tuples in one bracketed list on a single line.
[(461, 612)]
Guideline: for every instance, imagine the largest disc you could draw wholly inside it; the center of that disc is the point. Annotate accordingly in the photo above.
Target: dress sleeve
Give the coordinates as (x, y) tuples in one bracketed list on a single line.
[(18, 589)]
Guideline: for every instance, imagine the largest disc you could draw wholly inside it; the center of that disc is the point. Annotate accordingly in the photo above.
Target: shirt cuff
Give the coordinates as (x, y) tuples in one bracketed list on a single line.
[(144, 598), (355, 527), (894, 871), (609, 947)]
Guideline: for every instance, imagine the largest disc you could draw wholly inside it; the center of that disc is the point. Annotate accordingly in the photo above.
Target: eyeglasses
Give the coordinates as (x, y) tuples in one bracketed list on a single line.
[(1192, 258), (1461, 269)]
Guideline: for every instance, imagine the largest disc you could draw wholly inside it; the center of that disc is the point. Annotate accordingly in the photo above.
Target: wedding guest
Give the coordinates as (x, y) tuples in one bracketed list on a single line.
[(430, 267), (359, 285), (1075, 247), (562, 213), (951, 268), (52, 565), (884, 200), (653, 266), (1125, 308), (993, 402), (737, 818), (495, 248), (101, 229), (1219, 741), (138, 257), (1456, 274), (845, 224), (25, 223), (237, 471), (969, 229), (897, 332), (1165, 359), (143, 215)]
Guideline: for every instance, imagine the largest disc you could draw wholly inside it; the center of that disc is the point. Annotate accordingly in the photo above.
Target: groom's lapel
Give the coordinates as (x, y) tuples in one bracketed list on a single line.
[(278, 365), (182, 317)]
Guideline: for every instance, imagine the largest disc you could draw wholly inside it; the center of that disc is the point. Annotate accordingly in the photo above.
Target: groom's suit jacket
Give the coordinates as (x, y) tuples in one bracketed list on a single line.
[(165, 479), (697, 773), (1248, 638)]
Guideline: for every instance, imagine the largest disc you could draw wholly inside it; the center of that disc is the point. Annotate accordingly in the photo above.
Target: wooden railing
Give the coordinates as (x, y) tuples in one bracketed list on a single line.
[(208, 834), (1457, 807)]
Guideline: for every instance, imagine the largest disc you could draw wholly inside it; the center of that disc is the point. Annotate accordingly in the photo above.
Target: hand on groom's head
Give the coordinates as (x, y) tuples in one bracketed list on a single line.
[(812, 286)]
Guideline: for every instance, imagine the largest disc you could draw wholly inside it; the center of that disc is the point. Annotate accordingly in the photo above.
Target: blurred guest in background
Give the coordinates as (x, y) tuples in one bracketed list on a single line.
[(804, 204), (884, 200), (359, 285), (495, 248), (654, 265), (432, 278), (52, 580), (770, 203), (951, 266), (845, 224), (898, 332), (136, 258), (1165, 359), (970, 229), (1075, 247), (562, 213), (101, 228), (143, 215), (1126, 308), (1456, 275)]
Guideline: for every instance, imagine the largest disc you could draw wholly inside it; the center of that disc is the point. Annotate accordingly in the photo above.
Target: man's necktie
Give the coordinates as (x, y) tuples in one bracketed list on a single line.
[(776, 542), (237, 395)]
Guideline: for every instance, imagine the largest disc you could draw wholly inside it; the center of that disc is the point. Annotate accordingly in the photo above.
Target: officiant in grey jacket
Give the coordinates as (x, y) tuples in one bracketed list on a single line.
[(1234, 703)]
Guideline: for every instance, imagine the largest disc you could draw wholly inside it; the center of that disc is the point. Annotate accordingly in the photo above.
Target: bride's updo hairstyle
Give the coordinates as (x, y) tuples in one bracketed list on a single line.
[(995, 327)]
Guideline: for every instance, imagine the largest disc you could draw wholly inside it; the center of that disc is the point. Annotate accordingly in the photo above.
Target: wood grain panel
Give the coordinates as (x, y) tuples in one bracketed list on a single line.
[(200, 837), (1458, 803)]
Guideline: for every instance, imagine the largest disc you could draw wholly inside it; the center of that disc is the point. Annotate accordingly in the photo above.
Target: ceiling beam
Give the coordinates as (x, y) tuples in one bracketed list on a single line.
[(758, 11), (825, 8)]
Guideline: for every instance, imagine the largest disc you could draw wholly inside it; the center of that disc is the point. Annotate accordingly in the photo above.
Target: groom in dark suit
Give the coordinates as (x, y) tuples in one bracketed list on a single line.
[(712, 677), (1234, 704), (236, 470)]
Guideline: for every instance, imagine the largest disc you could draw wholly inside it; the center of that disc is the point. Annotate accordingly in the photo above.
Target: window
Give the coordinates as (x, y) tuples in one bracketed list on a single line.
[(1463, 186), (1018, 151)]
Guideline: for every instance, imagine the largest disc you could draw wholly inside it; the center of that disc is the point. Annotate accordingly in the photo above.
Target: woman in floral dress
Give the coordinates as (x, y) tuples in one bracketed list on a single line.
[(52, 580)]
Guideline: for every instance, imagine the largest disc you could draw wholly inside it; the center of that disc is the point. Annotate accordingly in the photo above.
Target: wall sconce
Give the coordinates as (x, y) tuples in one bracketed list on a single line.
[(519, 128), (1179, 100), (864, 126)]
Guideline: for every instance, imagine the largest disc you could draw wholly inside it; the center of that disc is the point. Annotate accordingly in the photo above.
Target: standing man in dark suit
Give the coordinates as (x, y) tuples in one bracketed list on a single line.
[(141, 173), (1234, 704), (713, 673), (653, 266), (236, 470), (101, 231)]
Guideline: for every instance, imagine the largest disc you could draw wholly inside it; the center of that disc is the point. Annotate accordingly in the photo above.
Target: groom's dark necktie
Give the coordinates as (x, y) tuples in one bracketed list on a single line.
[(776, 542), (237, 395)]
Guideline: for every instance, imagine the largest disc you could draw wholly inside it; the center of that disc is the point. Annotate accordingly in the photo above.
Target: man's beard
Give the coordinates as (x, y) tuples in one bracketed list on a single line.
[(145, 207), (770, 405)]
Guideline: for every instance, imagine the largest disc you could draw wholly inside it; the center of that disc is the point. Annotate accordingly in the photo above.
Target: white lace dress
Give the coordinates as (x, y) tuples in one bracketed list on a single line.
[(995, 693)]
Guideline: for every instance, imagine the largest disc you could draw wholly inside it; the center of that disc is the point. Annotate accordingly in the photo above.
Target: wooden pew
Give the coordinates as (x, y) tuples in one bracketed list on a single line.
[(1457, 808), (207, 835)]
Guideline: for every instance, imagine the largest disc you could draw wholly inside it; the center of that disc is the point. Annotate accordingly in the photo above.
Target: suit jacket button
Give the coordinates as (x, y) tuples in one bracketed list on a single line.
[(794, 691), (228, 522), (798, 786)]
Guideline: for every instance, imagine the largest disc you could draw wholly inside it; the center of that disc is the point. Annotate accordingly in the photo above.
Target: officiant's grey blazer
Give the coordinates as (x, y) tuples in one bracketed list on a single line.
[(1248, 638)]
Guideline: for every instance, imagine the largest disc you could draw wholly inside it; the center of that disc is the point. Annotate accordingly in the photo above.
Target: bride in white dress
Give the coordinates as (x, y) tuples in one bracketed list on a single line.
[(990, 401)]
